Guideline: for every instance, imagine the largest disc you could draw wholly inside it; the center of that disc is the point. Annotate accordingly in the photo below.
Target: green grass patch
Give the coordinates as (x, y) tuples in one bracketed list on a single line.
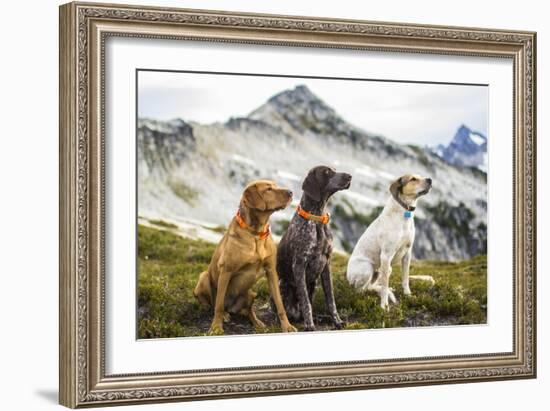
[(183, 191), (421, 155), (218, 229), (169, 266), (162, 223), (353, 214)]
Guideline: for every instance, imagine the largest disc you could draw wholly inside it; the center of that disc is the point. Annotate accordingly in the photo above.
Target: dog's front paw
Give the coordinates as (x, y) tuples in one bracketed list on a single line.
[(309, 327), (391, 296), (216, 329), (259, 324), (288, 328), (339, 325), (386, 295), (407, 290)]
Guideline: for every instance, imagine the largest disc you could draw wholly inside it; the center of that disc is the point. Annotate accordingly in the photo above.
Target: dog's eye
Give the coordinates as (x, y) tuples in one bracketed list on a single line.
[(269, 188), (414, 179)]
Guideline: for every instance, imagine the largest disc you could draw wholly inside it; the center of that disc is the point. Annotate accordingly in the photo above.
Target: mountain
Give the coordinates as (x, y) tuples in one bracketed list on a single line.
[(192, 174), (467, 149)]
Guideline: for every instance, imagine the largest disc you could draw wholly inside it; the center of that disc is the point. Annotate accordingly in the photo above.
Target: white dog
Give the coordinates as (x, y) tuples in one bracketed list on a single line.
[(387, 240)]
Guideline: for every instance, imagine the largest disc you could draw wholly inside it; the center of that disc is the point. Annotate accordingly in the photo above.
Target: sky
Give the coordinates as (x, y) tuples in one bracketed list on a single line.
[(409, 113)]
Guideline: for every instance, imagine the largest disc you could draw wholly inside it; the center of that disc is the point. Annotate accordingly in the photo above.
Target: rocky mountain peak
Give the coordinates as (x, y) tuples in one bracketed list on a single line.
[(300, 95), (468, 140), (299, 107), (163, 145), (467, 148)]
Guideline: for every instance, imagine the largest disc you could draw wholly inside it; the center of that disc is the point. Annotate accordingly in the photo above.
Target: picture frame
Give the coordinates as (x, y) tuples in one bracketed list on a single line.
[(84, 30)]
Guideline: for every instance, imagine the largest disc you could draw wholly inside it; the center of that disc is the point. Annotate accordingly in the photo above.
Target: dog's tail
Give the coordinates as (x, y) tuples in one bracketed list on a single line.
[(203, 290)]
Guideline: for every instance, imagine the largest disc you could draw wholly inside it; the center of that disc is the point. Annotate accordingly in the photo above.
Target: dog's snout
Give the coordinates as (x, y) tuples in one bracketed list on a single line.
[(429, 180), (347, 176), (289, 193)]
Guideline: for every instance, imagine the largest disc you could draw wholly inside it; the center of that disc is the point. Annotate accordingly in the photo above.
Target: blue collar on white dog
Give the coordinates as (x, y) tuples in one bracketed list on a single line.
[(408, 214)]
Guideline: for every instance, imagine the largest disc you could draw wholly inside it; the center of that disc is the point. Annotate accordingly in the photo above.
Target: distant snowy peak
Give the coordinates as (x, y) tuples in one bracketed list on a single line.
[(467, 140), (468, 148)]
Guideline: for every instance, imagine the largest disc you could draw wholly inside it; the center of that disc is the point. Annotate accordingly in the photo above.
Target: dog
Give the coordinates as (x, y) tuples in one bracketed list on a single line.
[(304, 252), (389, 239), (243, 255)]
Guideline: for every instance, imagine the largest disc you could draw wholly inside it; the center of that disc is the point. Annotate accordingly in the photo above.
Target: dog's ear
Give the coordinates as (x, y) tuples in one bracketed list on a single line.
[(310, 186), (253, 199), (395, 187)]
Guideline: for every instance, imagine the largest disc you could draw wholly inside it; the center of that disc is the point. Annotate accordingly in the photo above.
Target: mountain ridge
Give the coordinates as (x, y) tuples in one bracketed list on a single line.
[(207, 165)]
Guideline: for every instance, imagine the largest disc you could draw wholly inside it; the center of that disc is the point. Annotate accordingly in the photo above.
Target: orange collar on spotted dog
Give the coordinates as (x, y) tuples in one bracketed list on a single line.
[(263, 235), (308, 216)]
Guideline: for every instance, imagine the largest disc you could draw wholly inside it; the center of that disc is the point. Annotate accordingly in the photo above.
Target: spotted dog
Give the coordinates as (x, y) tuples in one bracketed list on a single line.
[(304, 251)]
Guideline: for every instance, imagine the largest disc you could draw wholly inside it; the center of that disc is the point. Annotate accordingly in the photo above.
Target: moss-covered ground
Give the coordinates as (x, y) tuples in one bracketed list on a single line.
[(169, 266)]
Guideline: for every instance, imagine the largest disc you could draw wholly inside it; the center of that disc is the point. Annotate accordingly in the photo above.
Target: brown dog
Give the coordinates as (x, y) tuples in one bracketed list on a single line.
[(244, 253)]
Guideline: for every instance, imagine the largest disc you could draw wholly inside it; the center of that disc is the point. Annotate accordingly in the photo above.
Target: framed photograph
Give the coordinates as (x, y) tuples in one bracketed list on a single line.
[(259, 204)]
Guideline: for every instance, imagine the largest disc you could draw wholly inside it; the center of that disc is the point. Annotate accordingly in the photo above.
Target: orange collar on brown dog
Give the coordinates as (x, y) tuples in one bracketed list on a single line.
[(263, 235), (308, 216)]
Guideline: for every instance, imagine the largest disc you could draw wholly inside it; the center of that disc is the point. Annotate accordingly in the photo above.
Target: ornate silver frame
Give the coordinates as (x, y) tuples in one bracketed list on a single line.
[(83, 30)]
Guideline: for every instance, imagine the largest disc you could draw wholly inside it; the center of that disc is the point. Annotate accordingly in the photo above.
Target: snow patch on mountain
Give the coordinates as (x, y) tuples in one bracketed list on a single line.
[(244, 160), (478, 138), (360, 197), (366, 171), (288, 176)]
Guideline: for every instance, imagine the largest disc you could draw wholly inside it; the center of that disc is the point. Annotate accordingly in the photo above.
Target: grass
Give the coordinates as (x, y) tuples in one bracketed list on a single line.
[(422, 156), (183, 191), (218, 229), (169, 267), (363, 219), (164, 224)]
